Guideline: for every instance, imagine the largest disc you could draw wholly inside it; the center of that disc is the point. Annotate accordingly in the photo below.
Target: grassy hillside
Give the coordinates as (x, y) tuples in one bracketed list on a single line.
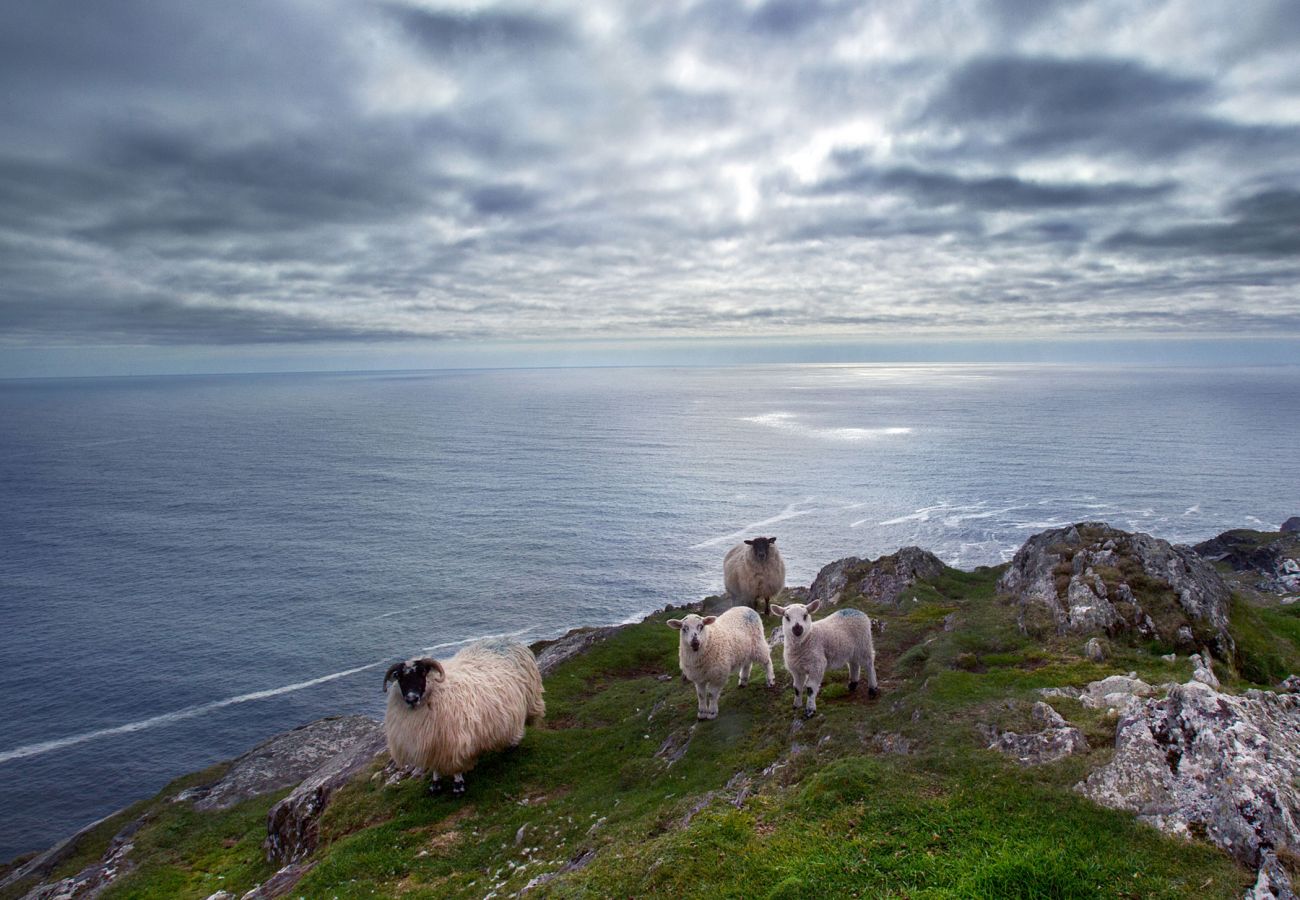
[(623, 793)]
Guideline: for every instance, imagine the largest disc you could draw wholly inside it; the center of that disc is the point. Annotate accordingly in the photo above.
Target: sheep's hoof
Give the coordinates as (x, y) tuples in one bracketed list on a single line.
[(809, 713), (458, 789), (853, 686), (435, 787), (873, 692)]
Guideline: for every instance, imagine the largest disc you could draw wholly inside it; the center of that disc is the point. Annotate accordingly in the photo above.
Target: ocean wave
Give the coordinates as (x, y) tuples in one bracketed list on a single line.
[(790, 512), (787, 421)]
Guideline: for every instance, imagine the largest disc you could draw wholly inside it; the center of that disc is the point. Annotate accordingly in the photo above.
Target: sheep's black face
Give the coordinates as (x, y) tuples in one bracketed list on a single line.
[(411, 681), (760, 546)]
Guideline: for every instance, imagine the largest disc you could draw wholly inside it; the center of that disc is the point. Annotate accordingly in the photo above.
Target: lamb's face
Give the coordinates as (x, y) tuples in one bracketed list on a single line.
[(412, 678), (694, 630), (796, 619), (760, 547)]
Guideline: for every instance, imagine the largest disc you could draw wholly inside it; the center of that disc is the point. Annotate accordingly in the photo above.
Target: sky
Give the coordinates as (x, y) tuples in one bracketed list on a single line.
[(274, 184)]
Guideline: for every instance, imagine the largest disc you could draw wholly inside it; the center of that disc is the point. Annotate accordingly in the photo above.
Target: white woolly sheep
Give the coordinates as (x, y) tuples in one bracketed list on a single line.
[(443, 715), (709, 649), (843, 638), (754, 571)]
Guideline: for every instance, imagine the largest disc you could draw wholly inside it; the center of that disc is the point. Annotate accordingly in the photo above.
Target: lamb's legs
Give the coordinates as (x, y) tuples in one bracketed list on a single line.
[(798, 690), (701, 702), (458, 786), (771, 676), (810, 708), (855, 673), (873, 689), (744, 675), (435, 784), (713, 692)]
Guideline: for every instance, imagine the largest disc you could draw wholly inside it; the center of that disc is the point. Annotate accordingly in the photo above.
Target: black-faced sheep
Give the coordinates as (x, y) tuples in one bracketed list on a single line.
[(442, 716), (709, 649), (754, 571), (843, 638)]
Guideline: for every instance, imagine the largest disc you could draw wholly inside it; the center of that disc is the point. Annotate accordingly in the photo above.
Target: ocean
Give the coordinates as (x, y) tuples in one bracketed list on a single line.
[(189, 565)]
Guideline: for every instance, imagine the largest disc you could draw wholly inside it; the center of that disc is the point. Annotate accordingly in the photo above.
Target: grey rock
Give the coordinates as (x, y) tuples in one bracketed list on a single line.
[(292, 825), (281, 883), (1202, 670), (1085, 601), (881, 579), (1200, 761), (1271, 881), (550, 654), (1094, 650), (890, 742), (1275, 560), (1290, 685), (97, 877), (675, 746), (283, 760), (1057, 739), (44, 863), (1291, 525)]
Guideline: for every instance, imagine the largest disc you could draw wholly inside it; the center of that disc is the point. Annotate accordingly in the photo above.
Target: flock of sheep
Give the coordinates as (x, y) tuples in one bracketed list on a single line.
[(442, 715)]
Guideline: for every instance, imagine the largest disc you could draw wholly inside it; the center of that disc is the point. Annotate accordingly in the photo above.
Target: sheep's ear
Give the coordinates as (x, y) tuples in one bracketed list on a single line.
[(777, 610), (709, 620), (393, 671), (675, 623), (814, 606), (771, 540), (751, 543)]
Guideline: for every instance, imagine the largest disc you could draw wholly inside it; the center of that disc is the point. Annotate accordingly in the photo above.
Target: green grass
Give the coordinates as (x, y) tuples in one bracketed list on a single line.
[(1268, 641), (826, 813)]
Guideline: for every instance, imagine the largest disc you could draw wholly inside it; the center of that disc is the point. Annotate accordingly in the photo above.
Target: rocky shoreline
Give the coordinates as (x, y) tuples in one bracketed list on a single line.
[(1190, 759)]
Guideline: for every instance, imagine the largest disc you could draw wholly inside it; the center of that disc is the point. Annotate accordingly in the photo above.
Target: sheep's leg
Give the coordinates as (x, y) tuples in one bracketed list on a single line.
[(810, 708), (458, 785), (798, 689), (435, 783), (519, 736), (771, 675), (855, 674), (744, 674), (711, 693), (873, 689), (701, 702)]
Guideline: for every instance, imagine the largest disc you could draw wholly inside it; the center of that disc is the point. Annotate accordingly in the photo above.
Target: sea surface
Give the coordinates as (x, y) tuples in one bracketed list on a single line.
[(189, 565)]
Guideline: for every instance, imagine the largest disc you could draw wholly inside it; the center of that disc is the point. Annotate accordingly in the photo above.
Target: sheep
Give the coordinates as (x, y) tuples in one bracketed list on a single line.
[(443, 715), (754, 571), (709, 649), (813, 647)]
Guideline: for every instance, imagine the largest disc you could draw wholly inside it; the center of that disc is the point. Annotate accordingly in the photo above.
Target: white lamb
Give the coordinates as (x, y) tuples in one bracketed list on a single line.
[(709, 649), (754, 571), (843, 638), (443, 715)]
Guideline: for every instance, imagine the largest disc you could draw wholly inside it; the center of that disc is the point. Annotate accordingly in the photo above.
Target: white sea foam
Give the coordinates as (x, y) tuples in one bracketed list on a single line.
[(790, 512), (1192, 510), (191, 712)]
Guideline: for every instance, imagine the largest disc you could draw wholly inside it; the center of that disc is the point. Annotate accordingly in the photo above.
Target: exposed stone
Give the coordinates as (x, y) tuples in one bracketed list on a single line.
[(881, 579), (1203, 762), (1203, 671), (95, 878), (1291, 525), (1271, 882), (283, 760), (292, 824), (1272, 562), (1057, 739), (281, 883), (1113, 692), (890, 742), (1093, 578), (1094, 650), (1290, 685), (551, 654), (675, 746), (44, 863)]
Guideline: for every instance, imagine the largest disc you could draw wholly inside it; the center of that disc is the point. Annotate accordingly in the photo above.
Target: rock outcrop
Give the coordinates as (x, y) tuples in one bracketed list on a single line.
[(1272, 562), (1093, 578), (282, 761), (1291, 525), (1056, 740), (1203, 763), (293, 824), (880, 579)]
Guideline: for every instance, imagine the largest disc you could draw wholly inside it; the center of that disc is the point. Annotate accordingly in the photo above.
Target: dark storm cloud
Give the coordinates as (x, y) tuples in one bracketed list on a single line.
[(932, 188), (286, 171), (1263, 224)]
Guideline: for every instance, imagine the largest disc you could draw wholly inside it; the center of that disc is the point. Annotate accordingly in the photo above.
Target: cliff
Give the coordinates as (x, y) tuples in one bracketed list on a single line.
[(1007, 755)]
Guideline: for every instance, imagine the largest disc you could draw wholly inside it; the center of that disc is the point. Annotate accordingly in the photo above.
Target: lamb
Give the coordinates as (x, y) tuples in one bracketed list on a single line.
[(444, 715), (811, 648), (709, 649), (754, 571)]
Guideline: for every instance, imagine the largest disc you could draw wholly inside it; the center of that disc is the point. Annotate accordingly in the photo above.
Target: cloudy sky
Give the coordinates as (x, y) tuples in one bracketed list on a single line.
[(182, 179)]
